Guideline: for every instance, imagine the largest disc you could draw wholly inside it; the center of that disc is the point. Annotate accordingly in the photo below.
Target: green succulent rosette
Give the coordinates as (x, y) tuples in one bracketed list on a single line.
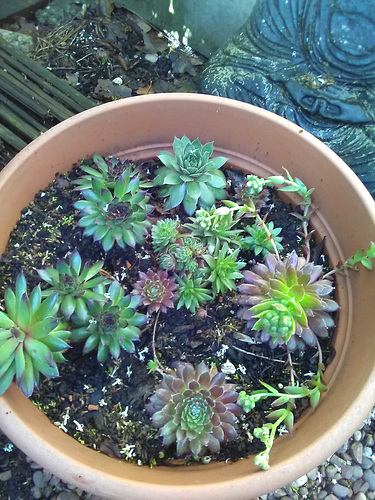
[(190, 176), (112, 325), (119, 217), (32, 339), (73, 284)]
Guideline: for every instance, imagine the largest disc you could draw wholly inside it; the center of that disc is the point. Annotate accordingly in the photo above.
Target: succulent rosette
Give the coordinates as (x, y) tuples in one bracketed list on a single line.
[(287, 301), (190, 176), (108, 171), (119, 217), (195, 408), (112, 325), (74, 284), (32, 339), (155, 290)]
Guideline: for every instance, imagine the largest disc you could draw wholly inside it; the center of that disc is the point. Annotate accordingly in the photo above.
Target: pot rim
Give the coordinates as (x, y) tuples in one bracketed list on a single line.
[(104, 469)]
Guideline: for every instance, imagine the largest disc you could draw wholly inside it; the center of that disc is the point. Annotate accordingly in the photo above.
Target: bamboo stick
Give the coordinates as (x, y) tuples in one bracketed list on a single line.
[(48, 76), (22, 113), (56, 108), (17, 86), (17, 124), (12, 139), (51, 89)]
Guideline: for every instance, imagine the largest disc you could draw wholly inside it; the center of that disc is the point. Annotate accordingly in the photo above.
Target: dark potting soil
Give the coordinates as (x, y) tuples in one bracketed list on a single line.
[(103, 405)]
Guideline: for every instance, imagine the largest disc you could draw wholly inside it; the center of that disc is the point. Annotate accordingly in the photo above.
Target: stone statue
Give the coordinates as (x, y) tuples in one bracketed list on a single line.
[(312, 62)]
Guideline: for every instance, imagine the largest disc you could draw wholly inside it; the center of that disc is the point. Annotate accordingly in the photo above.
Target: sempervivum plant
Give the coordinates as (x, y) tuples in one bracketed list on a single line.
[(164, 233), (190, 176), (287, 301), (73, 284), (112, 325), (119, 217), (195, 409), (108, 171), (31, 338), (155, 290)]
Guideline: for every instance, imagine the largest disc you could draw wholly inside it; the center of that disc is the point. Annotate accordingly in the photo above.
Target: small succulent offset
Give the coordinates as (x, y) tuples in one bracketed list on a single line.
[(108, 171), (190, 176), (112, 325), (191, 293), (195, 408), (223, 269), (188, 254), (155, 290), (287, 301), (254, 190), (214, 228), (259, 239), (73, 284), (164, 233), (119, 217), (32, 340)]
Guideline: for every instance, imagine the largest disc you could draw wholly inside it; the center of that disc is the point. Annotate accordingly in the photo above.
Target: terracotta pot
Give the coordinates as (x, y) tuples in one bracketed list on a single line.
[(259, 142)]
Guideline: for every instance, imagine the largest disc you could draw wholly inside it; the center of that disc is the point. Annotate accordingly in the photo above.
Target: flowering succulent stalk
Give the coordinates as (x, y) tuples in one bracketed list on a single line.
[(287, 301), (223, 269), (164, 233), (73, 284), (195, 409), (120, 217), (190, 176), (155, 290), (31, 338), (112, 325), (262, 239), (108, 171), (191, 293), (285, 403)]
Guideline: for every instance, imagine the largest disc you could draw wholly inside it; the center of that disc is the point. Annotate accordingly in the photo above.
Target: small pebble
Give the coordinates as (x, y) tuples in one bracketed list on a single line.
[(300, 481), (367, 451), (370, 440), (360, 496), (347, 471), (313, 474), (357, 452), (331, 471), (343, 448), (38, 479), (331, 497), (357, 435), (369, 477), (279, 493), (322, 494), (357, 472), (340, 491), (67, 495), (36, 492), (6, 475), (366, 463), (336, 460)]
